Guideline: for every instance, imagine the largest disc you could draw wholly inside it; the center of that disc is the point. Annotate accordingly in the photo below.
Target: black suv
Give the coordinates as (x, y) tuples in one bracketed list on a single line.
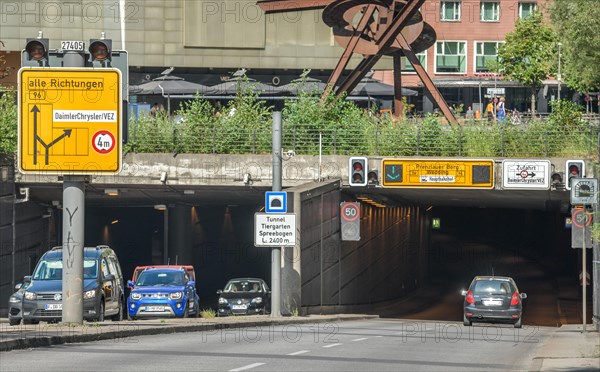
[(103, 291)]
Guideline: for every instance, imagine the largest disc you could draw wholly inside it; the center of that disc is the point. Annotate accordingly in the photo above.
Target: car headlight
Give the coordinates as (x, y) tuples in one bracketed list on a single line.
[(136, 296), (14, 300), (257, 300), (175, 295), (30, 296), (222, 300), (89, 294)]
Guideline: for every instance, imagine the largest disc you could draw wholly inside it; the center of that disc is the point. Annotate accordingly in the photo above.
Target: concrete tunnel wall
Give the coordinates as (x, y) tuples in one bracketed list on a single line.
[(324, 274)]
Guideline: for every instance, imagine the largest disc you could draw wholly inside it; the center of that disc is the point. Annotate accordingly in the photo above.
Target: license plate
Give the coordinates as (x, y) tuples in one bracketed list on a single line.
[(239, 307), (155, 308), (492, 302), (53, 306)]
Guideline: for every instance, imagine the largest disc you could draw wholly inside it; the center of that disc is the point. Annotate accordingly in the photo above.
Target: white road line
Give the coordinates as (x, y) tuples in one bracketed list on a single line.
[(378, 336), (360, 339), (299, 352), (331, 345), (249, 366)]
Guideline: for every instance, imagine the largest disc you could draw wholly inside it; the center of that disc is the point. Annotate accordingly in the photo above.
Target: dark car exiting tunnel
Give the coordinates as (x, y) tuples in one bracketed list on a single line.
[(493, 299), (244, 296)]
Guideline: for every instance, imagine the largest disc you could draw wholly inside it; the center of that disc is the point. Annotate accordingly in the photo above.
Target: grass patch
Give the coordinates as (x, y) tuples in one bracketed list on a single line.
[(207, 313)]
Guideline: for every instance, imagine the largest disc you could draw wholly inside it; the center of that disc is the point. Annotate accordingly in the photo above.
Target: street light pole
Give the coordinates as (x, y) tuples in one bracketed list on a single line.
[(559, 77)]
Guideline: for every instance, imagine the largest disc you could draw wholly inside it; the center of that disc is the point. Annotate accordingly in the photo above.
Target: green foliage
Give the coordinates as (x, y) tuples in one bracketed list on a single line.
[(529, 53), (8, 122), (208, 313), (342, 124), (577, 23)]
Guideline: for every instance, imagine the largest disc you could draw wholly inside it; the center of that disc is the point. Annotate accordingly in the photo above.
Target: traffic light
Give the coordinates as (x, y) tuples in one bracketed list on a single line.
[(37, 50), (574, 169), (373, 178), (357, 171), (556, 180), (100, 50)]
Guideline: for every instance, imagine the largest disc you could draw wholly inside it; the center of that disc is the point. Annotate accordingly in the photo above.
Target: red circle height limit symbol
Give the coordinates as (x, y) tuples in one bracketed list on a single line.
[(582, 217), (103, 142), (350, 212)]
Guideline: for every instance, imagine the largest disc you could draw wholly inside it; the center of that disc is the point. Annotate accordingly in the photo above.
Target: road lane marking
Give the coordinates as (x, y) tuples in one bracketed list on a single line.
[(331, 345), (359, 339), (299, 352), (249, 366)]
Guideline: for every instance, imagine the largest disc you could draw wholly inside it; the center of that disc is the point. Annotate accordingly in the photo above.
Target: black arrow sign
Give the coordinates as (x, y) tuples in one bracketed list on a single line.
[(36, 138)]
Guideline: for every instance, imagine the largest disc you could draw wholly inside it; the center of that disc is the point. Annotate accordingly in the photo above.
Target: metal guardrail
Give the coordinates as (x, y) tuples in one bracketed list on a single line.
[(535, 139)]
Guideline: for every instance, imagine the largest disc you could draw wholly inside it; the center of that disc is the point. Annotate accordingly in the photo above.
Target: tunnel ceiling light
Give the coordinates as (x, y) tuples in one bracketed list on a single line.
[(160, 207), (114, 222), (111, 192)]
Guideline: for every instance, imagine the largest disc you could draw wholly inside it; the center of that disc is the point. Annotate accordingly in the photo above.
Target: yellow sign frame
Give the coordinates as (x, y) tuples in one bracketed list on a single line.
[(70, 120), (438, 173)]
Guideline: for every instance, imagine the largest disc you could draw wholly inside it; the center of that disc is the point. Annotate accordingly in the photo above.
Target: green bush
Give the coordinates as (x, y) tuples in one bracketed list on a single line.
[(8, 122)]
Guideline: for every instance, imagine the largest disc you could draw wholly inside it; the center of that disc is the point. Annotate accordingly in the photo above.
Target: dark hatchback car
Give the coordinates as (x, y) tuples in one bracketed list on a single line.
[(493, 299), (103, 287), (244, 296)]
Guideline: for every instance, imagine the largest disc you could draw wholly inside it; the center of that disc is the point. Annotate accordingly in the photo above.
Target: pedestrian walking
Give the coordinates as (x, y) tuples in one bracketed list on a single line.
[(489, 111), (501, 110)]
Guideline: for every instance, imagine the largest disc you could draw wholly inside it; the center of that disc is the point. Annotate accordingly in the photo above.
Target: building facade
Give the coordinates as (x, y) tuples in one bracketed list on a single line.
[(207, 40)]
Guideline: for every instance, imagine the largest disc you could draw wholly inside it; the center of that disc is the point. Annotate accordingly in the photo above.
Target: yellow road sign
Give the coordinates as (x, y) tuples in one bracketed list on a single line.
[(70, 120), (438, 173)]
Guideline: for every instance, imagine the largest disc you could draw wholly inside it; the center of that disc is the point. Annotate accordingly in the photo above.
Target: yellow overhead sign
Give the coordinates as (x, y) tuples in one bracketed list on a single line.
[(70, 120), (438, 173)]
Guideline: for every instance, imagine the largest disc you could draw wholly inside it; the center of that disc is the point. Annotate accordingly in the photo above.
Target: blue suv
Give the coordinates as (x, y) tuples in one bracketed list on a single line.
[(163, 292)]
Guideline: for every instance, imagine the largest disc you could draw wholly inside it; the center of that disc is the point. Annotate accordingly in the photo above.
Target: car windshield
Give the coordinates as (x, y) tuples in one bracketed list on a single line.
[(243, 286), (498, 287), (158, 278), (52, 270)]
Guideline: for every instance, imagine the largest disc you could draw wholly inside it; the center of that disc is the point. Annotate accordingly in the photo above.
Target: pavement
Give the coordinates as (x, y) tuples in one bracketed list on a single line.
[(567, 349)]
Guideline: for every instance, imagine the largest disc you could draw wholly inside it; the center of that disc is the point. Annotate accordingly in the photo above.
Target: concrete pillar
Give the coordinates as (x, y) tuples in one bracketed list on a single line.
[(180, 234)]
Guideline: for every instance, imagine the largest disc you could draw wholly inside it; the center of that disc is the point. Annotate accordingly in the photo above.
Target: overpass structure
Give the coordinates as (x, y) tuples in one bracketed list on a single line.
[(209, 203)]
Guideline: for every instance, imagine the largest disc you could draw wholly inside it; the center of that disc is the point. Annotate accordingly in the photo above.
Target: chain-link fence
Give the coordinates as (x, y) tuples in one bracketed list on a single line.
[(534, 139)]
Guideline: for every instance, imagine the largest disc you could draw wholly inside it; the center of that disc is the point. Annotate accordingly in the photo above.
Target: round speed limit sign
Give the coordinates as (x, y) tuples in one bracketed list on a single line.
[(350, 211)]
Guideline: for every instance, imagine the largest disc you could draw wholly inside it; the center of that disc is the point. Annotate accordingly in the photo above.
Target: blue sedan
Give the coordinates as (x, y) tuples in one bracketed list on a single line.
[(163, 293)]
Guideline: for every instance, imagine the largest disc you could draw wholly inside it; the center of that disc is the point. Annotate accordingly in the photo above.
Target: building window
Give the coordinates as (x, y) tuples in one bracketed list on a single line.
[(490, 11), (451, 57), (450, 11), (485, 52), (525, 9), (422, 56)]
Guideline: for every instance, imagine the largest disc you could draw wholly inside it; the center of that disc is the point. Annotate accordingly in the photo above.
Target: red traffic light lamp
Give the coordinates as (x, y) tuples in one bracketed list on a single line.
[(575, 169), (358, 171)]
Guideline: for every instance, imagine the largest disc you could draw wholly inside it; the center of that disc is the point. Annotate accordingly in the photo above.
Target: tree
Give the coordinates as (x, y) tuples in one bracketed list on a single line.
[(529, 54), (576, 23)]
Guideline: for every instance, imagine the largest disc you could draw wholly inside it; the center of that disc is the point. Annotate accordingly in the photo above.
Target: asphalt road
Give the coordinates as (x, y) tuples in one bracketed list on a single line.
[(378, 345)]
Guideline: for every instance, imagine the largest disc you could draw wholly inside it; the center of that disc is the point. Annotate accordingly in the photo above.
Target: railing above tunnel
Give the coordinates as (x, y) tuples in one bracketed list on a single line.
[(416, 137)]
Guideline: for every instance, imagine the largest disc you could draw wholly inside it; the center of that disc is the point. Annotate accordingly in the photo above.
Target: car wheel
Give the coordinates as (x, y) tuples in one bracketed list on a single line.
[(101, 312), (129, 317), (186, 311), (14, 322), (467, 322), (518, 323), (118, 316)]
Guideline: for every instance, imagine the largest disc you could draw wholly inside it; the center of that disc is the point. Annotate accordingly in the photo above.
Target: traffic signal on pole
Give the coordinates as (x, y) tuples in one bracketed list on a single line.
[(574, 169), (373, 178), (100, 50), (36, 49), (357, 175)]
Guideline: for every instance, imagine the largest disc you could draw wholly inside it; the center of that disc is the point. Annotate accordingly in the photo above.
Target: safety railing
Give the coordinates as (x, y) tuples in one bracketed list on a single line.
[(537, 139)]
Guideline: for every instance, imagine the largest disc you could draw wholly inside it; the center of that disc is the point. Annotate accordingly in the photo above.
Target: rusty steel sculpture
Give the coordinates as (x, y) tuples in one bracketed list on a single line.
[(372, 28)]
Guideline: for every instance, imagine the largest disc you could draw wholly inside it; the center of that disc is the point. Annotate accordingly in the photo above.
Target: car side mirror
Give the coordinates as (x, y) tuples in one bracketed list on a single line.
[(130, 283), (18, 286), (523, 296), (463, 292), (191, 283), (219, 291), (109, 277), (27, 278)]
